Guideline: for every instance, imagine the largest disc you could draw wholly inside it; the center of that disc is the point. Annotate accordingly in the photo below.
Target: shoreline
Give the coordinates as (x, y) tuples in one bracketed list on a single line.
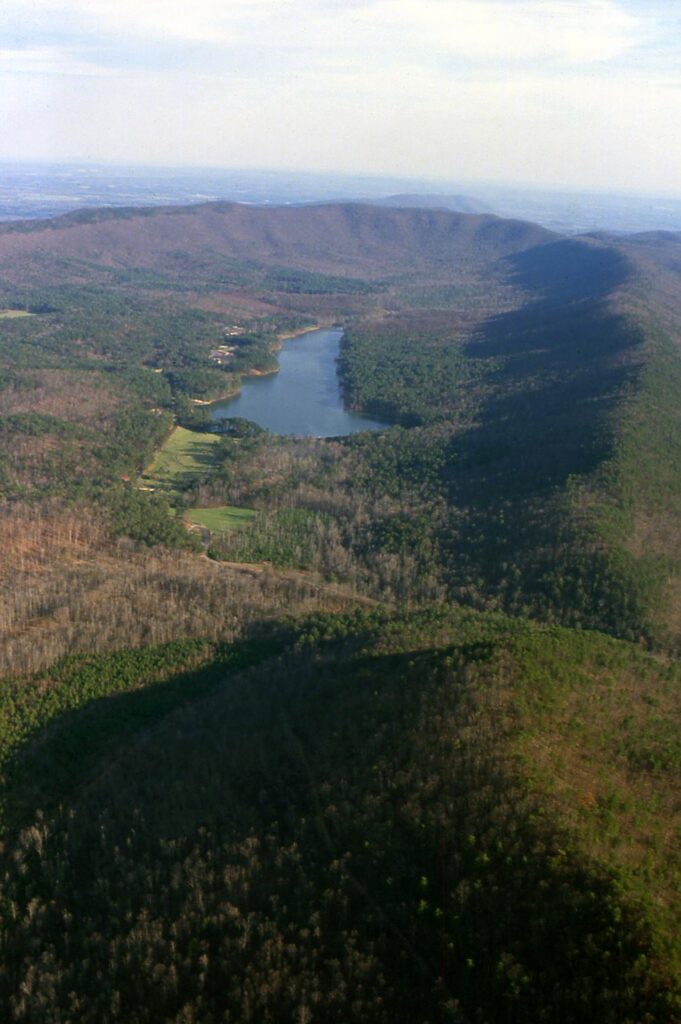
[(276, 346), (288, 335), (236, 391)]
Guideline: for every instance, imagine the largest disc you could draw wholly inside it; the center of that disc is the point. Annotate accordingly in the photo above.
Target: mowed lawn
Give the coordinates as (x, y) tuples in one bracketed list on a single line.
[(221, 519), (186, 457)]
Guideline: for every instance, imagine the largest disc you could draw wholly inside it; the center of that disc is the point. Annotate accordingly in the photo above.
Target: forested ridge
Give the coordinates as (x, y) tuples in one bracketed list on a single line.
[(227, 795)]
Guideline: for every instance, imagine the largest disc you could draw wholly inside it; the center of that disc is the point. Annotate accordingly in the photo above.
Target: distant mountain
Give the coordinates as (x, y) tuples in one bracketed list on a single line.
[(456, 203), (47, 190), (655, 237), (335, 238), (580, 212)]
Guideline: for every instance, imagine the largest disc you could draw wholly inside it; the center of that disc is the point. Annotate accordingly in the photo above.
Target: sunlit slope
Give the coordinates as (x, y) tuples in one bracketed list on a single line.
[(335, 237), (448, 816)]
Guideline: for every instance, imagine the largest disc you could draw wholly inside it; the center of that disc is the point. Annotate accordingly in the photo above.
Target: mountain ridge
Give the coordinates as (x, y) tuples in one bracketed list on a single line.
[(413, 200), (362, 236)]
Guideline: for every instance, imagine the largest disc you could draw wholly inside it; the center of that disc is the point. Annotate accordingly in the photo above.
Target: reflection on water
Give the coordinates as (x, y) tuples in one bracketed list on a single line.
[(304, 397)]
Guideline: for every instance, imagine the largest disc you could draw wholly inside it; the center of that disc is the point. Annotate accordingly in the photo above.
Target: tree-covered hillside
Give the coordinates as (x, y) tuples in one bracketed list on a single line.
[(377, 728), (395, 819)]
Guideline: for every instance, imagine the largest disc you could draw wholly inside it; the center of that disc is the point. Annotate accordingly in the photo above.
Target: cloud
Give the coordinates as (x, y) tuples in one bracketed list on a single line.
[(210, 21), (492, 30), (542, 90), (600, 133), (47, 60), (474, 30)]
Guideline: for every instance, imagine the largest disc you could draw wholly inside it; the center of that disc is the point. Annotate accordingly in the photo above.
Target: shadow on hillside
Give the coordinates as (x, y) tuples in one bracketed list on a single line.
[(569, 270), (60, 758), (561, 366), (563, 361), (368, 793)]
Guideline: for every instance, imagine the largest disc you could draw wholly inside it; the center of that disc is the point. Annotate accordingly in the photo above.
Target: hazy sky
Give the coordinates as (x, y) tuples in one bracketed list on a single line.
[(583, 93)]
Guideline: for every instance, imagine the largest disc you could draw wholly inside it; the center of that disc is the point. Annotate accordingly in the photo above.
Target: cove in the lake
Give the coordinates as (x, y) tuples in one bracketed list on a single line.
[(304, 397)]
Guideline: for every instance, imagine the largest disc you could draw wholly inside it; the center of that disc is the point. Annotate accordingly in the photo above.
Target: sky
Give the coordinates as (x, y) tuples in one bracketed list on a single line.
[(571, 93)]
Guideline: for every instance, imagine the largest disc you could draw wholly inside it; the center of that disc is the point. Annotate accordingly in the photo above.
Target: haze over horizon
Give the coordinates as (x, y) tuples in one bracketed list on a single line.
[(575, 95)]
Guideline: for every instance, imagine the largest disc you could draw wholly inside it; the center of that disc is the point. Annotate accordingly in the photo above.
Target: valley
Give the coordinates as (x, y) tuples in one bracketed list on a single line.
[(399, 714)]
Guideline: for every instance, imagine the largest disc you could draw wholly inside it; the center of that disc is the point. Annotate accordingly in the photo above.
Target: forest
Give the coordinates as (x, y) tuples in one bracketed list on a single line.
[(377, 728)]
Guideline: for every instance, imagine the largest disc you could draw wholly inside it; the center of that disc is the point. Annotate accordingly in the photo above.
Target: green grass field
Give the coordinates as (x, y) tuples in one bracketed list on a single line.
[(222, 519), (13, 314), (184, 458)]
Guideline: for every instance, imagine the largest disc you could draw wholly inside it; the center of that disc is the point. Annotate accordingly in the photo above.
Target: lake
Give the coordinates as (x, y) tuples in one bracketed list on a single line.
[(304, 397)]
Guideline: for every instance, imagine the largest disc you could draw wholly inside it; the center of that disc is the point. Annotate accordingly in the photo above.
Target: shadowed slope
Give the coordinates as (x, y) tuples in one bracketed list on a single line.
[(368, 830)]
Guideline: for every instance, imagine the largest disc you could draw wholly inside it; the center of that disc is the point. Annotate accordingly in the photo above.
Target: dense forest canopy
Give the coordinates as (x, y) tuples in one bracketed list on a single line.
[(369, 728)]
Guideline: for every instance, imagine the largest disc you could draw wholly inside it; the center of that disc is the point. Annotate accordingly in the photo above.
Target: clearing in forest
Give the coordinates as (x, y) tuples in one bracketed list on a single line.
[(221, 519), (13, 314), (186, 457)]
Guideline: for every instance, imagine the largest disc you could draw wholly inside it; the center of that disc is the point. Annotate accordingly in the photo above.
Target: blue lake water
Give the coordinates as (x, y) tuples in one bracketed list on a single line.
[(304, 397)]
